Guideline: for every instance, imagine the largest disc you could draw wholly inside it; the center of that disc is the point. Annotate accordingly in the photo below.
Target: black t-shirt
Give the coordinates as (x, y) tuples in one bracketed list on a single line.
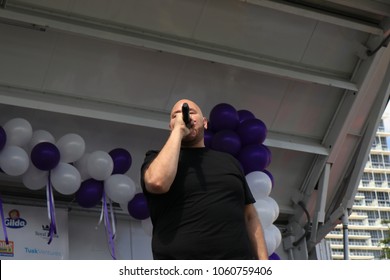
[(202, 215)]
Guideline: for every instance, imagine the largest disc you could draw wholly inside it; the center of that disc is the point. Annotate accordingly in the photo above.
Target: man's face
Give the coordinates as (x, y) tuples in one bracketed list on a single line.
[(198, 122)]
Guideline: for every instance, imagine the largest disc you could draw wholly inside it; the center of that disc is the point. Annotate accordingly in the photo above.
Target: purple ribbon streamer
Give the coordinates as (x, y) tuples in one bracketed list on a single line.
[(52, 215), (3, 221), (108, 227)]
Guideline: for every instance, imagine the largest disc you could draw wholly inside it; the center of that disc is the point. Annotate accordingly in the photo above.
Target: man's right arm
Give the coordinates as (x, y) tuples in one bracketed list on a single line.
[(160, 174)]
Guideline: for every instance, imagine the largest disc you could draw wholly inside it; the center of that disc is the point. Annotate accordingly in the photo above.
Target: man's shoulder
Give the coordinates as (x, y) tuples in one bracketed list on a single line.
[(150, 155)]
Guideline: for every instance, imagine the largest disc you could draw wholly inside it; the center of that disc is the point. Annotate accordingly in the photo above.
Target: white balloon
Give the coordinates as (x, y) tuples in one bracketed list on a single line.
[(14, 160), (71, 146), (65, 178), (120, 188), (147, 226), (19, 132), (266, 211), (35, 179), (273, 231), (100, 165), (259, 183), (274, 206), (40, 136), (82, 167), (270, 241)]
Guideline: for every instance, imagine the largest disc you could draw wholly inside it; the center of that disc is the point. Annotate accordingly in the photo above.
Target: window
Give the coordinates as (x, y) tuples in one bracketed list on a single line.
[(381, 126), (383, 199), (369, 198), (379, 178), (386, 161), (376, 237), (385, 215), (377, 255), (366, 178), (373, 216), (376, 161), (375, 142), (384, 143)]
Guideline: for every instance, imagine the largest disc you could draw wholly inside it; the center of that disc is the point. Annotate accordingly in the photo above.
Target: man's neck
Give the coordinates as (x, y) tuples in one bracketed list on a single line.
[(199, 144)]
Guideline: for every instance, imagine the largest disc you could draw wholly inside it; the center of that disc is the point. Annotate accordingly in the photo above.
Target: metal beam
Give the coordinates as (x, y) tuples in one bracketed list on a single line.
[(343, 120), (375, 7), (372, 122), (295, 143), (77, 106), (319, 214), (365, 73), (318, 15), (107, 110), (345, 202), (180, 46)]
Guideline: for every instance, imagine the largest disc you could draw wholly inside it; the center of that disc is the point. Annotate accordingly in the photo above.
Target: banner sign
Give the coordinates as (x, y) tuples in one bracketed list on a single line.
[(28, 234)]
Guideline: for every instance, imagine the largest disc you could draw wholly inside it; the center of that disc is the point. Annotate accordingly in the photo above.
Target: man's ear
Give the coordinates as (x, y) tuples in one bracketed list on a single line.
[(205, 123)]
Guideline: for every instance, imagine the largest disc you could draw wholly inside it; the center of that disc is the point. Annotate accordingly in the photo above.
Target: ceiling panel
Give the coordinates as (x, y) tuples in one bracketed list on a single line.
[(250, 28), (334, 48), (25, 58), (309, 100), (100, 70)]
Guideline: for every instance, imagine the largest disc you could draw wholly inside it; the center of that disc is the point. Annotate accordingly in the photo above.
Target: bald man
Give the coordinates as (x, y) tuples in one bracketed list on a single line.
[(200, 204)]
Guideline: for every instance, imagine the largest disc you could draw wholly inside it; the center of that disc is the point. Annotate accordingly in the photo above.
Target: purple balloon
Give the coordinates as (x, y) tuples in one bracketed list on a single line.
[(138, 207), (226, 141), (122, 160), (208, 138), (45, 156), (274, 256), (252, 131), (90, 193), (3, 138), (244, 115), (224, 116), (209, 126), (269, 154), (253, 158)]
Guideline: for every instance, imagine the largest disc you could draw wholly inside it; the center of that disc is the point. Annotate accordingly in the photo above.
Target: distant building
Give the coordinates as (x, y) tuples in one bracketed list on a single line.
[(371, 205)]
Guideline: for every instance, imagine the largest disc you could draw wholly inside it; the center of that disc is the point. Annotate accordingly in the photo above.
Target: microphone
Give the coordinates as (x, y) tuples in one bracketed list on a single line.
[(185, 109)]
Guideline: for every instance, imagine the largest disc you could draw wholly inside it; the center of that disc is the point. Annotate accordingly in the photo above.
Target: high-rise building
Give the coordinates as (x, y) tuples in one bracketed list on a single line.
[(366, 223)]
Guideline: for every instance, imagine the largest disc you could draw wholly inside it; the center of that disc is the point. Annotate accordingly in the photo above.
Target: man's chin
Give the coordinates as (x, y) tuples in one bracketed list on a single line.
[(190, 140)]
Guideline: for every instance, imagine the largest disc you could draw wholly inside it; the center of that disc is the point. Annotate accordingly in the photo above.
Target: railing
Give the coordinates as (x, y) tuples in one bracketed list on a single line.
[(356, 223), (357, 253), (358, 203), (356, 243), (374, 184), (361, 214), (378, 165), (358, 233)]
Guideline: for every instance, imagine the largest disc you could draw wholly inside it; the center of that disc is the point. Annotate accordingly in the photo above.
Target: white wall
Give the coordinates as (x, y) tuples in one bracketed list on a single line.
[(88, 241)]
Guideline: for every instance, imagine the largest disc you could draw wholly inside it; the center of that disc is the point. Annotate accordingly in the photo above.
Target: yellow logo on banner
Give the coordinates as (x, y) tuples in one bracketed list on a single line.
[(7, 250)]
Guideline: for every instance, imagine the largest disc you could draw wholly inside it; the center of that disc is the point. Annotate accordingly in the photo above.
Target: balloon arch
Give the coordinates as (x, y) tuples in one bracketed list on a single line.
[(99, 177)]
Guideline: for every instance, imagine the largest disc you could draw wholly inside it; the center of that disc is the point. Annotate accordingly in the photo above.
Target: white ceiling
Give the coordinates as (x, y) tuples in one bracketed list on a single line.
[(111, 70)]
